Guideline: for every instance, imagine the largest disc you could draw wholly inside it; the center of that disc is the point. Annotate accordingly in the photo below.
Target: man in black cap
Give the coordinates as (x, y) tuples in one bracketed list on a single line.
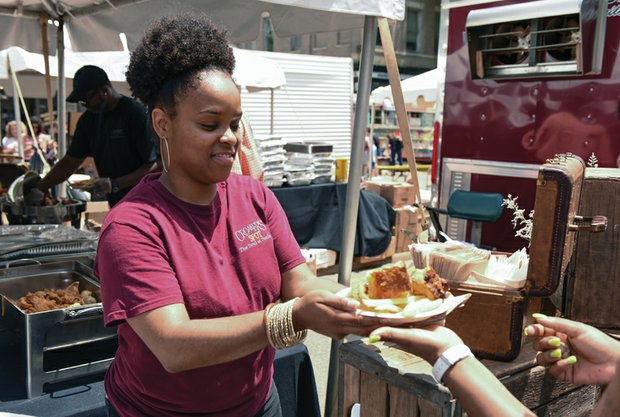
[(114, 131)]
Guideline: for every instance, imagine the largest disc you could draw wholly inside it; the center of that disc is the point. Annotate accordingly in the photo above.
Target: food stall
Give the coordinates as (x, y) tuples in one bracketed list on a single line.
[(97, 27)]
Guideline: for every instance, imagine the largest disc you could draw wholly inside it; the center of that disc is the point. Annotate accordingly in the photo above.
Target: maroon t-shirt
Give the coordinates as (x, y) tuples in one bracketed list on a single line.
[(219, 260)]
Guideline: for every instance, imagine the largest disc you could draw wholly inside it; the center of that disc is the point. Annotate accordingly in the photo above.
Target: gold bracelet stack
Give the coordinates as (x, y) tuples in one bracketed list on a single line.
[(279, 326)]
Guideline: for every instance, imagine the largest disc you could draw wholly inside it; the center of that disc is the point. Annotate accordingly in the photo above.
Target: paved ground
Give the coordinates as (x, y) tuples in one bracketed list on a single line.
[(319, 347)]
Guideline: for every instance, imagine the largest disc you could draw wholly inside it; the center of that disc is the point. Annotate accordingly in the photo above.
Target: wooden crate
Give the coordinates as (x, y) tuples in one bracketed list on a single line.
[(592, 289), (388, 382)]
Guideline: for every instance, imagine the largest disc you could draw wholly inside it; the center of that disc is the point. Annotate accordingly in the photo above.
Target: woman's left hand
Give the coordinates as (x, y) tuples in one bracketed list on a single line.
[(331, 315)]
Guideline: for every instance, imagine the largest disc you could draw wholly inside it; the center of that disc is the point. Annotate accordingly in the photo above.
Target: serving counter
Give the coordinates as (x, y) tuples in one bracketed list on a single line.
[(293, 375)]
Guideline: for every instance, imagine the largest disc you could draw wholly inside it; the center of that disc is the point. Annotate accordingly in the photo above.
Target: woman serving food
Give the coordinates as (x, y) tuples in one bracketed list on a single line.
[(196, 298)]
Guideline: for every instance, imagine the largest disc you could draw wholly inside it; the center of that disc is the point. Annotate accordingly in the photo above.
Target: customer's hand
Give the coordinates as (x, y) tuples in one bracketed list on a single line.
[(426, 342), (591, 358), (101, 186), (331, 315)]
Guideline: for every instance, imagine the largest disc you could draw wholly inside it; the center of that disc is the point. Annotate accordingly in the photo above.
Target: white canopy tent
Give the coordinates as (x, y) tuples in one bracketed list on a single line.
[(95, 25), (251, 71), (424, 84)]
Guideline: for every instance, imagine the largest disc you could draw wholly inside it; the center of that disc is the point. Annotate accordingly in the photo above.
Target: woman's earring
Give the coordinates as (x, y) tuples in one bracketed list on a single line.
[(165, 141)]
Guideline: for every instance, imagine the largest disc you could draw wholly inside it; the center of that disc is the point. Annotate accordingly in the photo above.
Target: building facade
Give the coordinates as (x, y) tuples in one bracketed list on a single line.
[(415, 42)]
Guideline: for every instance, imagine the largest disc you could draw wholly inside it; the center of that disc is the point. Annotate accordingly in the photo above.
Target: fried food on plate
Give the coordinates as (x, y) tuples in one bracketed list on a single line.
[(426, 282), (390, 282), (400, 289)]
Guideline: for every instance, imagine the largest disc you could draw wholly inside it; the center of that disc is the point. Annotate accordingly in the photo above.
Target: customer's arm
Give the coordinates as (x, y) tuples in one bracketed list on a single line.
[(478, 391), (609, 404)]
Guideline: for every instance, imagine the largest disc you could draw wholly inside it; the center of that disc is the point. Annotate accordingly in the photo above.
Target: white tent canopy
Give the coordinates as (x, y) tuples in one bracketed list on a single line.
[(94, 25), (424, 84), (251, 71)]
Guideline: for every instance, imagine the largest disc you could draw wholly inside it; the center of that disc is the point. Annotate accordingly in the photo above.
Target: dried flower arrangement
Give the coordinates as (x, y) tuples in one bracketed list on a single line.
[(519, 220)]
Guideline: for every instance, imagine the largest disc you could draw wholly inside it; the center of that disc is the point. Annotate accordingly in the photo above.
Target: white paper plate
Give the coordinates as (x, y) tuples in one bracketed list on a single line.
[(447, 306)]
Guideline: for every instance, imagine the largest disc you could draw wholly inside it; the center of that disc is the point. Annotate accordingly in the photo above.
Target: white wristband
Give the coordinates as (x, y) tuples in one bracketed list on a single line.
[(447, 359)]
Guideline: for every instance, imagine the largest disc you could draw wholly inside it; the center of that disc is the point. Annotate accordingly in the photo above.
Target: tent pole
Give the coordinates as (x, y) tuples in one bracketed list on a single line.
[(60, 98), (353, 189), (17, 111), (43, 18), (272, 102)]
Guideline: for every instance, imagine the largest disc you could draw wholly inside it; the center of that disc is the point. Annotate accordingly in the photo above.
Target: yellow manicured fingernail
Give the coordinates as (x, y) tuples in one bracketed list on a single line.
[(571, 360), (556, 353), (555, 342), (525, 332), (539, 316), (374, 338)]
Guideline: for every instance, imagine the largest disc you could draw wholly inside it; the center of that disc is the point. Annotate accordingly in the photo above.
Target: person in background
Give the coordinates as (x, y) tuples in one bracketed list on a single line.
[(389, 111), (10, 143), (46, 143), (197, 312), (247, 161), (396, 148), (377, 141), (571, 351), (29, 150), (113, 130)]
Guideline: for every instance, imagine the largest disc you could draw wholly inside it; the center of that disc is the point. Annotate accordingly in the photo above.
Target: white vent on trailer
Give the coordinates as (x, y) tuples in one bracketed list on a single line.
[(537, 38)]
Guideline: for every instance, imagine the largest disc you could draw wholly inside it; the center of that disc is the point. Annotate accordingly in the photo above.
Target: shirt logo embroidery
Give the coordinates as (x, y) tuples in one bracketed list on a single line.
[(252, 235)]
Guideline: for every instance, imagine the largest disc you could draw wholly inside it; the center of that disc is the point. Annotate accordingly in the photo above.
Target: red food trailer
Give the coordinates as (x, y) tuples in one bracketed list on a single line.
[(524, 80)]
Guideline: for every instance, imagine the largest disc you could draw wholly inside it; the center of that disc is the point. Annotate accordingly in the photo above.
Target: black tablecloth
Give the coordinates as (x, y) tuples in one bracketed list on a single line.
[(293, 375), (316, 215)]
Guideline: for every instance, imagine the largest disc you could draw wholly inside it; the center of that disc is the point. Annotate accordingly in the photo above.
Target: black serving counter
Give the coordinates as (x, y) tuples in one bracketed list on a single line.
[(293, 375)]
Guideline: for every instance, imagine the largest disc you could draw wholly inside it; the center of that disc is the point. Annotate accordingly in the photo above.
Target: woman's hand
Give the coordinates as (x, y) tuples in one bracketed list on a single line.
[(426, 342), (573, 351), (331, 315)]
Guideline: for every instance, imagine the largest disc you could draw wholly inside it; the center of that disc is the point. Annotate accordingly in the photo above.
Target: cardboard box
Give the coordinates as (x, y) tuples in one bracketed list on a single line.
[(310, 260), (407, 225), (96, 211), (398, 194), (324, 258)]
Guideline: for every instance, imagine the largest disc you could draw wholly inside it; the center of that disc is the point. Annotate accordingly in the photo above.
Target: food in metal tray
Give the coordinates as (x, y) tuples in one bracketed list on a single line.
[(52, 299)]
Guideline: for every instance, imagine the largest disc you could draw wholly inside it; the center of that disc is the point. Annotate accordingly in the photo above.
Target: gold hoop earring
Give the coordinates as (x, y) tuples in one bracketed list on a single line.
[(165, 141)]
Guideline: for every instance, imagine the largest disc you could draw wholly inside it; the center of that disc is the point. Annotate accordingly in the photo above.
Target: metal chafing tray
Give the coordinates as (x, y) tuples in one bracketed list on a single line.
[(56, 345), (67, 211), (25, 242)]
